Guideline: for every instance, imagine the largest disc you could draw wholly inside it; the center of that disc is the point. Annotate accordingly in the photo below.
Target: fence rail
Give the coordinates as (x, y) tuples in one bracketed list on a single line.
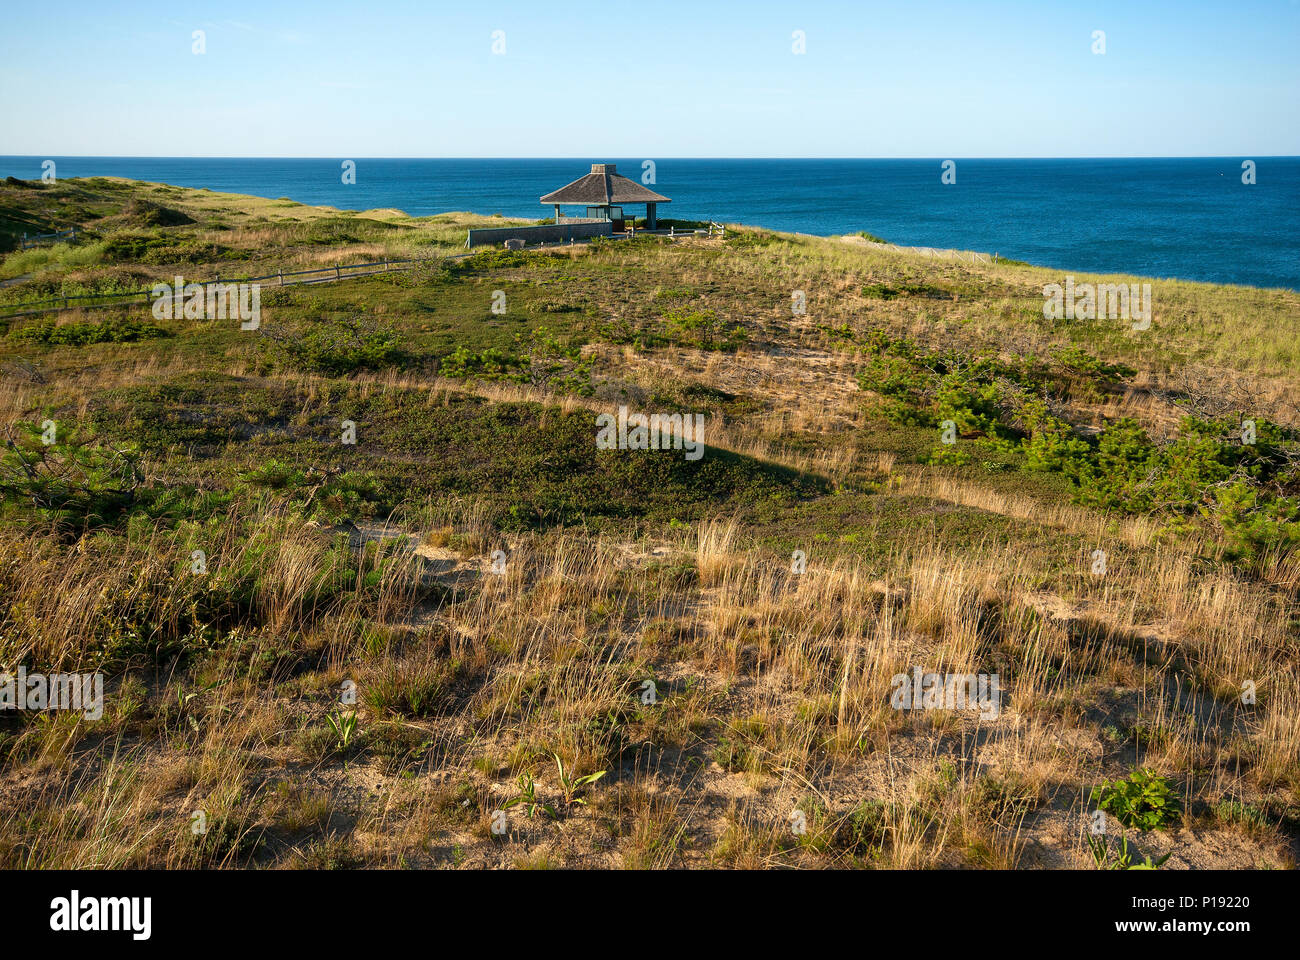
[(38, 238), (282, 278), (934, 253)]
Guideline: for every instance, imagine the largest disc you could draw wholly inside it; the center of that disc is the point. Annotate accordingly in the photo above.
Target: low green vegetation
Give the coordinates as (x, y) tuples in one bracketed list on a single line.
[(1142, 801), (335, 347), (72, 478), (1244, 477), (115, 330), (360, 579)]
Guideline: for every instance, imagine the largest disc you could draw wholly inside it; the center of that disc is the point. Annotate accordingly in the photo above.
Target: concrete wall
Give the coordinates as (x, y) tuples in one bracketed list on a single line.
[(551, 233)]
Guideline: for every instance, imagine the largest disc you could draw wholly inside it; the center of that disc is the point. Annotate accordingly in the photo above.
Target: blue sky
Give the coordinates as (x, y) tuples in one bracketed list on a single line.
[(662, 78)]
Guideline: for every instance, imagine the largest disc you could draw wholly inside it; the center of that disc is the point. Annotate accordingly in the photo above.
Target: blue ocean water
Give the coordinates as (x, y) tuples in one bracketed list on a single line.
[(1191, 218)]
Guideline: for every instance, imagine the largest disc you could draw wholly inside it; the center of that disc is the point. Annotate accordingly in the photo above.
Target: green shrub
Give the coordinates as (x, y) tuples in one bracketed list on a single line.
[(747, 239), (1247, 489), (884, 291), (1254, 521), (879, 291), (77, 479), (1077, 360), (947, 454), (118, 330), (275, 475), (149, 214), (490, 364), (1245, 814), (555, 363), (134, 246), (351, 496), (970, 404), (1052, 443), (1143, 801), (703, 329), (338, 347), (487, 261), (865, 828), (1207, 472)]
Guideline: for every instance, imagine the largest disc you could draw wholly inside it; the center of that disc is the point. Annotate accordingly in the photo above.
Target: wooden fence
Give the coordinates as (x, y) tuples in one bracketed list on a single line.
[(39, 238), (970, 255), (282, 278)]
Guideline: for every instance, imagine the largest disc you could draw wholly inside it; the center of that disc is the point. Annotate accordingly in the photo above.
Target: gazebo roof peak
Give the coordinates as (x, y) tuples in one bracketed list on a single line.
[(603, 186)]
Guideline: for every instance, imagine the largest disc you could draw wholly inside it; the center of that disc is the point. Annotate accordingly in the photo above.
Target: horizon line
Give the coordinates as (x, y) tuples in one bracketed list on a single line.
[(586, 158)]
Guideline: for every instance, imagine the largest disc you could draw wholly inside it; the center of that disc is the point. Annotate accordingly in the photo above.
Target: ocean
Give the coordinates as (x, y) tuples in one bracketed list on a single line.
[(1191, 218)]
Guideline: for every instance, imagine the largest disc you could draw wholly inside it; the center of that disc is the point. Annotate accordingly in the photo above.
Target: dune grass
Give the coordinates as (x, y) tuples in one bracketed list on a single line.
[(375, 653)]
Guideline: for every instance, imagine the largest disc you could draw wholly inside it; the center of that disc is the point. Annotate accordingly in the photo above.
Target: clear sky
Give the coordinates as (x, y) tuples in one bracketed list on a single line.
[(659, 78)]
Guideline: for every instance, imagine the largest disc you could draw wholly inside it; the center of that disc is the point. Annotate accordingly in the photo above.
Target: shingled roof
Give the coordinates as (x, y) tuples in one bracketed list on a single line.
[(604, 186)]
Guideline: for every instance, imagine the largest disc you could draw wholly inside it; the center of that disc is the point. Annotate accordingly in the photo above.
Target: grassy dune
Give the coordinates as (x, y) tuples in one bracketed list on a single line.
[(472, 618)]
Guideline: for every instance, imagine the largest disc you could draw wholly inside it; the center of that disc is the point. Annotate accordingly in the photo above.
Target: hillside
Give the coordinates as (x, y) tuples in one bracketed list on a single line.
[(372, 653)]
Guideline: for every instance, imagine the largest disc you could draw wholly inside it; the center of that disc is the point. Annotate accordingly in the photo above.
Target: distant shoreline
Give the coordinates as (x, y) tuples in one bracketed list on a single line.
[(1180, 218), (855, 238)]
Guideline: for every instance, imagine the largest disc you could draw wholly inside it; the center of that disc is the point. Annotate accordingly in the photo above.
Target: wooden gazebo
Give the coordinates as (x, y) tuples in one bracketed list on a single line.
[(603, 192)]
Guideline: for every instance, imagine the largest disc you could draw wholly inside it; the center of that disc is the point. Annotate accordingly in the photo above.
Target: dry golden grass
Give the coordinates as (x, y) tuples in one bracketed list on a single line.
[(719, 687), (777, 683)]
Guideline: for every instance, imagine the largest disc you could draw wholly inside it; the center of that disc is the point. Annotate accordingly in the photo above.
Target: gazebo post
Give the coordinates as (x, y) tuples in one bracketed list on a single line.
[(601, 191)]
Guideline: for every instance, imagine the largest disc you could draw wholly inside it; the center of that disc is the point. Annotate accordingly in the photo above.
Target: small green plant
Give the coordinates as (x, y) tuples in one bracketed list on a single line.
[(570, 785), (344, 727), (1121, 857), (183, 701), (1143, 801), (1244, 814), (275, 475), (527, 798), (865, 828)]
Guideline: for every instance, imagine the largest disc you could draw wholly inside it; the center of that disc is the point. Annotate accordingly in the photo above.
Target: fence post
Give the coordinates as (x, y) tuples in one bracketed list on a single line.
[(338, 272)]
